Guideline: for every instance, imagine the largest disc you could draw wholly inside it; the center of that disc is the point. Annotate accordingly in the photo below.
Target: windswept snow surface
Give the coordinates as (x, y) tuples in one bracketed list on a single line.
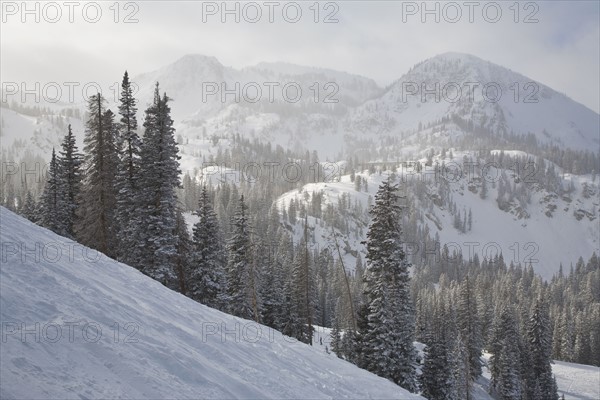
[(76, 324)]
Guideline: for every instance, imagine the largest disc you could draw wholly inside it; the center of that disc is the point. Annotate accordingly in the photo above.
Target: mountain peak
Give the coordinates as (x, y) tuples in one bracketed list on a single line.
[(451, 62), (197, 58), (489, 95), (456, 55), (192, 63)]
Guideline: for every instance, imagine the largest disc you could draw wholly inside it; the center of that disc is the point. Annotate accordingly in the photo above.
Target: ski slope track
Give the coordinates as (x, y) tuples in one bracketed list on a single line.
[(107, 331)]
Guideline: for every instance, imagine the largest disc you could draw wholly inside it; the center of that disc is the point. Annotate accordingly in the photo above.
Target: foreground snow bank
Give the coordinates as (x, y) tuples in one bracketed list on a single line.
[(76, 324)]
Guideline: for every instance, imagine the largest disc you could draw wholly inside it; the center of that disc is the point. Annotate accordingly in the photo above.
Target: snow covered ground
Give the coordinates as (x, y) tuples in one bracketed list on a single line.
[(575, 381), (76, 324)]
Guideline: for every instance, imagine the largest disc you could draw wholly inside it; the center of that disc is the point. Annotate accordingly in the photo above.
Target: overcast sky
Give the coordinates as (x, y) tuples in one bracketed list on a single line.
[(375, 39)]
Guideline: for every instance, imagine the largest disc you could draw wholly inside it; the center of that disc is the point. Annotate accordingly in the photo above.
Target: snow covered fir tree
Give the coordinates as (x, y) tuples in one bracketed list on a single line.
[(386, 345), (365, 258)]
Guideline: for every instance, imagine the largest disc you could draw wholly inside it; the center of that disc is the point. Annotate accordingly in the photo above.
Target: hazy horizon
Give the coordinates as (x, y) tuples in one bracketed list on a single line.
[(378, 40)]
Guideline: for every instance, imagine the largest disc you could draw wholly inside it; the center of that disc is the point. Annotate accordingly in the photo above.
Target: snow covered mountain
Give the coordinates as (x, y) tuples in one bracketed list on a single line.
[(77, 324), (338, 113), (402, 123), (201, 86), (491, 96), (545, 231)]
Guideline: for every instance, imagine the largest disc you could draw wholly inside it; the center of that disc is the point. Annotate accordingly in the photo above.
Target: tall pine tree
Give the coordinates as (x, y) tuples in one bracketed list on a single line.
[(506, 368), (304, 293), (239, 266), (388, 342), (470, 331), (54, 206), (207, 272), (71, 162), (539, 336), (155, 236), (95, 226), (127, 182)]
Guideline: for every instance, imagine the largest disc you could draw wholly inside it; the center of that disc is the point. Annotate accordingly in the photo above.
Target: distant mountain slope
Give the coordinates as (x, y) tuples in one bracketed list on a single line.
[(104, 330), (362, 115), (22, 133), (499, 99), (546, 231), (201, 86)]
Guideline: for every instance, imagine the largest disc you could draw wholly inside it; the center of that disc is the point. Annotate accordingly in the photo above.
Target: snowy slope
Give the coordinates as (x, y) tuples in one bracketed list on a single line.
[(39, 135), (167, 346), (575, 381), (510, 102), (191, 79), (523, 235), (354, 89)]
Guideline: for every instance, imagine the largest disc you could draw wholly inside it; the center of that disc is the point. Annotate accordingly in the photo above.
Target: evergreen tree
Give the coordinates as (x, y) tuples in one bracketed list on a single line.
[(484, 190), (288, 320), (95, 214), (441, 365), (128, 126), (54, 206), (506, 378), (273, 276), (459, 362), (436, 377), (468, 325), (183, 258), (304, 294), (156, 239), (29, 209), (239, 266), (336, 338), (71, 162), (207, 274), (388, 343), (271, 287), (358, 352), (127, 181), (539, 336)]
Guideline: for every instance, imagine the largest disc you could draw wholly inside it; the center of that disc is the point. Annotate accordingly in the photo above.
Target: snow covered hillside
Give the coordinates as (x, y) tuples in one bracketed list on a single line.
[(487, 94), (545, 231), (577, 381), (201, 86), (23, 133), (76, 324)]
